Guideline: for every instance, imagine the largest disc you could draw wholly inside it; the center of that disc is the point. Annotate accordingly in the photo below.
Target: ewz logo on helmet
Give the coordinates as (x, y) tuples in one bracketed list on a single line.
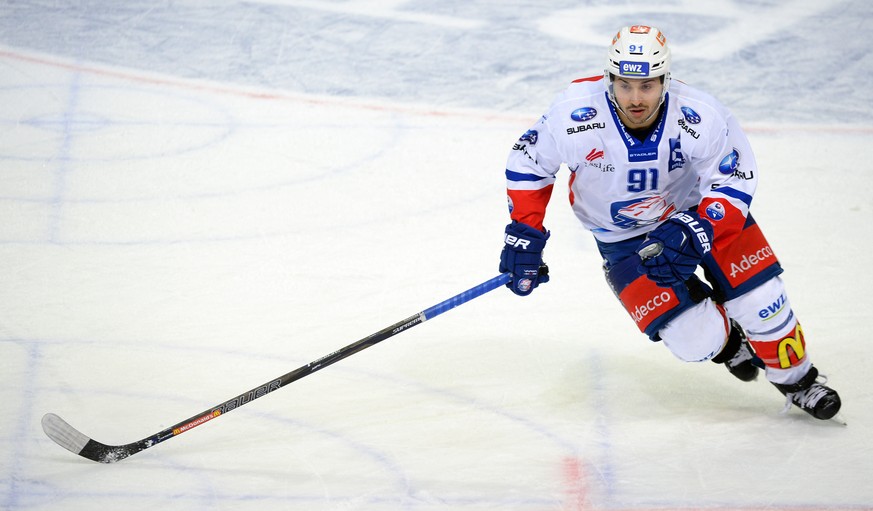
[(627, 68)]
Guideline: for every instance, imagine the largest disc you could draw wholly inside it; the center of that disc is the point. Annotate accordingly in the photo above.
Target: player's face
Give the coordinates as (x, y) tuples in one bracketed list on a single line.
[(639, 99)]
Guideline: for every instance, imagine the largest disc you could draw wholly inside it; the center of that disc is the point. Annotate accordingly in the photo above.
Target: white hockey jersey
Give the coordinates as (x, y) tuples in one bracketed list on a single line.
[(621, 187)]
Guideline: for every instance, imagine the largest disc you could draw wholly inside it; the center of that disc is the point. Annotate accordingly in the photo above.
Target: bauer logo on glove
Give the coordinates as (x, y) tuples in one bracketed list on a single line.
[(694, 224), (516, 242)]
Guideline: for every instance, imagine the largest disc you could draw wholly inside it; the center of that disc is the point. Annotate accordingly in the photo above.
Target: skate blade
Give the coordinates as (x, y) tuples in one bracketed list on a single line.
[(839, 419)]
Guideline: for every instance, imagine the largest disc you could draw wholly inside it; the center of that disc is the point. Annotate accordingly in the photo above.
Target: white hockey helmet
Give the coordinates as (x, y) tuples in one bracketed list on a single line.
[(638, 51)]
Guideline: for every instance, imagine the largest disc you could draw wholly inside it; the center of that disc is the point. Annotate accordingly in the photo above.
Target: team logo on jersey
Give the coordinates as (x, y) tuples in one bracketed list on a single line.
[(690, 115), (583, 114), (641, 212), (630, 68), (715, 211), (730, 163), (530, 136)]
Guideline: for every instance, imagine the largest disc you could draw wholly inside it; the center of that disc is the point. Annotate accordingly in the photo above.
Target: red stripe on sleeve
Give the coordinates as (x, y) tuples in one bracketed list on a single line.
[(529, 206)]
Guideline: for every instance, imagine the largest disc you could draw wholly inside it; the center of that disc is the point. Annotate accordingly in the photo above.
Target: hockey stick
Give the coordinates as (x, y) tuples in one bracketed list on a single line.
[(71, 439)]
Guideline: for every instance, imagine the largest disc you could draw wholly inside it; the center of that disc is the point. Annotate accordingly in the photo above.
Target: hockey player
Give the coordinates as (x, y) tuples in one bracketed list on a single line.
[(663, 176)]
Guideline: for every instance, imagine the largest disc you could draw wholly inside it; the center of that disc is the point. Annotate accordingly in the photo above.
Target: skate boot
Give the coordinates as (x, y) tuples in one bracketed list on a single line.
[(737, 355), (812, 396)]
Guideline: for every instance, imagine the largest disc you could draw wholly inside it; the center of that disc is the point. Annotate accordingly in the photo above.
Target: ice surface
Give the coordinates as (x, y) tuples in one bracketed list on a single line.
[(198, 197)]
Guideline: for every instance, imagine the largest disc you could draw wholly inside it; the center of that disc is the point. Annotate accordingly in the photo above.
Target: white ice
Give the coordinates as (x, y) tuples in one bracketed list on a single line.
[(198, 197)]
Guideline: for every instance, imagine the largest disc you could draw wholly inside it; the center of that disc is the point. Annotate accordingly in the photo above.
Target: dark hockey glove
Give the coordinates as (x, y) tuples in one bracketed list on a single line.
[(522, 256), (673, 250)]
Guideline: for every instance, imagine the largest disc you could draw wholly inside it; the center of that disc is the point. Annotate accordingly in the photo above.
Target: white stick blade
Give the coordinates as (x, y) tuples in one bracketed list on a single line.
[(63, 434)]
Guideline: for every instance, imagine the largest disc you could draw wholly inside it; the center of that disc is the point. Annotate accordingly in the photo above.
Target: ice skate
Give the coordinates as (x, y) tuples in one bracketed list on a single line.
[(812, 396), (743, 363)]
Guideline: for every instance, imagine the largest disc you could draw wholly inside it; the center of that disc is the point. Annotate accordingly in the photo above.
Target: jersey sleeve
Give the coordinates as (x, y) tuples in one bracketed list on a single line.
[(729, 177), (530, 174)]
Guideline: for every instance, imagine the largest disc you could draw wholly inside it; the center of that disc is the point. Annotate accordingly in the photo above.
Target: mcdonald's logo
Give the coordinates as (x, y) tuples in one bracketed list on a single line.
[(792, 349)]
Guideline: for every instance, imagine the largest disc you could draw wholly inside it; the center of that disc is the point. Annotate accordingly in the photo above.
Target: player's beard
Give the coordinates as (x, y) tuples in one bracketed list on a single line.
[(642, 119)]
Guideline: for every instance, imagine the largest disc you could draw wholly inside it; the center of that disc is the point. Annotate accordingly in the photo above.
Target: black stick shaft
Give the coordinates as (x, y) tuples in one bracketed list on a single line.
[(68, 437)]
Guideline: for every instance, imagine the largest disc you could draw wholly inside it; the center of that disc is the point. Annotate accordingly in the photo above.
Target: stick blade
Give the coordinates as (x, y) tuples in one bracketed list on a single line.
[(74, 441), (63, 434)]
